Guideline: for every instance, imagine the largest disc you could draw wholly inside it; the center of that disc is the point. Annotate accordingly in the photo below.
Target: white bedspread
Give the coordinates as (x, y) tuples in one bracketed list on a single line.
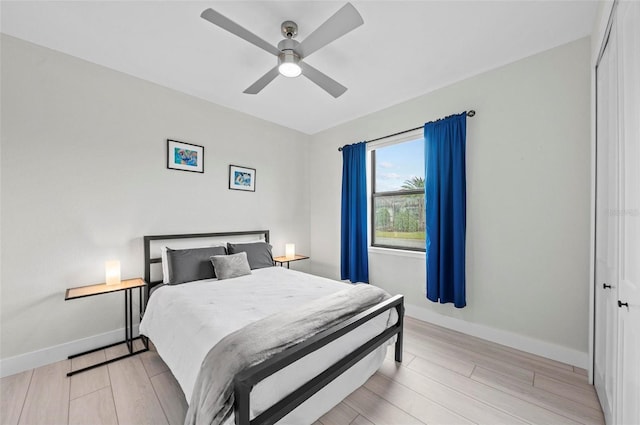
[(185, 321)]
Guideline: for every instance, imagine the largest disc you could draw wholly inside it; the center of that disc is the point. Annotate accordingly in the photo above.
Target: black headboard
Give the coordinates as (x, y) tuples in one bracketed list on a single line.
[(148, 261)]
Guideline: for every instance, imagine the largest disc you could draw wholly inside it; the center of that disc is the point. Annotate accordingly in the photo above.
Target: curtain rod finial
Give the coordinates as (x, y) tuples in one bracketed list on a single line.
[(471, 113)]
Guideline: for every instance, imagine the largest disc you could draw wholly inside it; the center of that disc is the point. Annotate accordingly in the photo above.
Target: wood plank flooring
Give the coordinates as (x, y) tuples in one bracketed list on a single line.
[(446, 378)]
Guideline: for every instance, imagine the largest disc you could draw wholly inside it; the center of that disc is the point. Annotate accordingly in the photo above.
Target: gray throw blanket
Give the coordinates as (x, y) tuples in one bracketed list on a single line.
[(212, 399)]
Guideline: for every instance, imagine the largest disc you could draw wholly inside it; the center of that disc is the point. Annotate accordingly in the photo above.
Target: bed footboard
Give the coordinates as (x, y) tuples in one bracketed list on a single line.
[(246, 380)]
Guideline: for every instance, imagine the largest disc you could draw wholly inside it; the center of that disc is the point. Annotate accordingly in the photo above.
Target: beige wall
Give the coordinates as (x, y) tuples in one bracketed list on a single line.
[(528, 188), (84, 177)]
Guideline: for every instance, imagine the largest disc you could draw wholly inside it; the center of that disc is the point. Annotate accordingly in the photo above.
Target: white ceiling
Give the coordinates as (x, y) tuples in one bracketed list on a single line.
[(403, 50)]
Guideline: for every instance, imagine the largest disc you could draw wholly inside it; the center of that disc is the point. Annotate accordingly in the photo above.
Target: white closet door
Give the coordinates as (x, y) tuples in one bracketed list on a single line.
[(628, 393), (607, 230)]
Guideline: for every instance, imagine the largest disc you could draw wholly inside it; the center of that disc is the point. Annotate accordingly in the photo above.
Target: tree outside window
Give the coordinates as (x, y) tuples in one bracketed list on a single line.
[(398, 210)]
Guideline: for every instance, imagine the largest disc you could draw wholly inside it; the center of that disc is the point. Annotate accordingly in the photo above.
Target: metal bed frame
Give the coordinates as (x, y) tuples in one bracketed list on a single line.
[(247, 379)]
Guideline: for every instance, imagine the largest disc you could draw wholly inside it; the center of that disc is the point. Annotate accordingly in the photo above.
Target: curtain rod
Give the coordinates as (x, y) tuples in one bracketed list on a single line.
[(470, 114)]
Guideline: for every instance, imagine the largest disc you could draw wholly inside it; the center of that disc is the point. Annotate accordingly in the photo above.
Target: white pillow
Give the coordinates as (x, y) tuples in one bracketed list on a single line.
[(165, 265)]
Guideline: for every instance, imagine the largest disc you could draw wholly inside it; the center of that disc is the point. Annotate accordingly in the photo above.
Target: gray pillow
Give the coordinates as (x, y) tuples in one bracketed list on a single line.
[(258, 253), (187, 265), (228, 266)]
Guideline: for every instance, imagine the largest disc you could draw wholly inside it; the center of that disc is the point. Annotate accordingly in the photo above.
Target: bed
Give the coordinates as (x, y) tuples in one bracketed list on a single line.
[(294, 381)]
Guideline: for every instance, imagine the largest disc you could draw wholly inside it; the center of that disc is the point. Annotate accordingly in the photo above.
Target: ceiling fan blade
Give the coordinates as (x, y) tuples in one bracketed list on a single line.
[(343, 21), (325, 82), (262, 81), (227, 24)]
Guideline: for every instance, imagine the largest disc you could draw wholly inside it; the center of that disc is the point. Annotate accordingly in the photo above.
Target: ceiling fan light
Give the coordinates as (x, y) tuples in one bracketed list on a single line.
[(289, 66), (290, 69)]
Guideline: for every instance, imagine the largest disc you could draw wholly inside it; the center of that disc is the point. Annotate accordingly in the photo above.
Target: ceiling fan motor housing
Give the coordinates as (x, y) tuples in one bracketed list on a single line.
[(288, 44)]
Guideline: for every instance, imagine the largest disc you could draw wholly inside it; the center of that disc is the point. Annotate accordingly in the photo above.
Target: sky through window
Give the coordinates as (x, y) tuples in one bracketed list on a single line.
[(397, 163)]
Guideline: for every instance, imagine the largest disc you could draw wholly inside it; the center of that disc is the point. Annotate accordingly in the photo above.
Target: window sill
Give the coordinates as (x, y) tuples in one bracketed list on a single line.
[(397, 252)]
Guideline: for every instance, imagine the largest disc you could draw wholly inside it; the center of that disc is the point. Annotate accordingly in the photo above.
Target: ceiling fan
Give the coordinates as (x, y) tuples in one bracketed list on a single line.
[(290, 52)]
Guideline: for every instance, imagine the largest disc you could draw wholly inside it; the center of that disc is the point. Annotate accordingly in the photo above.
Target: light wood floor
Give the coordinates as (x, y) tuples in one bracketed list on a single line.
[(445, 378)]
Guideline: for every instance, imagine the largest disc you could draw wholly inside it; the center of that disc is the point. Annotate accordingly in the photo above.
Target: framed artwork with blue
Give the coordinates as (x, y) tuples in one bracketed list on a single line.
[(242, 178), (185, 156)]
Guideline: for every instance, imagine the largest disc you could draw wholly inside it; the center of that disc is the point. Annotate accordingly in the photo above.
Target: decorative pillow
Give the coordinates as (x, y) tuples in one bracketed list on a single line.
[(258, 253), (187, 265), (233, 265)]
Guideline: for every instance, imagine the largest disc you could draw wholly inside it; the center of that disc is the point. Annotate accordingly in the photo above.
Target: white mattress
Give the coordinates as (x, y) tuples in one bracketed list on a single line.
[(185, 321)]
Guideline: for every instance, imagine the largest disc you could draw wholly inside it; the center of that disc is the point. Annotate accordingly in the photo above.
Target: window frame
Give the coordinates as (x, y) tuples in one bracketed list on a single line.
[(414, 135)]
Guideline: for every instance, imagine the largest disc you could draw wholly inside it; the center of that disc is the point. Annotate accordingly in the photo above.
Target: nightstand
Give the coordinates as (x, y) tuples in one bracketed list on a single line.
[(127, 286), (284, 259)]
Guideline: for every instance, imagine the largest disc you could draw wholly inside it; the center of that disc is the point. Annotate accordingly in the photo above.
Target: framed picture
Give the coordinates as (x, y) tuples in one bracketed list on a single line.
[(185, 156), (242, 178)]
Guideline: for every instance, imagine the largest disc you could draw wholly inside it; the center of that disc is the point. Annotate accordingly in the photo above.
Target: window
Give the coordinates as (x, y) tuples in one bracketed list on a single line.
[(397, 196)]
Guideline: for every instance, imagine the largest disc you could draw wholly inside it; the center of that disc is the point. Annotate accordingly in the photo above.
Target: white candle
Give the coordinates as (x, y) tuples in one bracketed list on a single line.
[(290, 250), (112, 272)]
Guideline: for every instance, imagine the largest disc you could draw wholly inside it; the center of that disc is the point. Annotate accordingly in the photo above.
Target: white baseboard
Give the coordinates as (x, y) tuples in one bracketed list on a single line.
[(45, 356), (510, 339)]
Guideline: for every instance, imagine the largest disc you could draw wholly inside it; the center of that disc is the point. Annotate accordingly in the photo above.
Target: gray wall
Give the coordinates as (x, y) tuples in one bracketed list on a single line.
[(528, 177), (84, 177)]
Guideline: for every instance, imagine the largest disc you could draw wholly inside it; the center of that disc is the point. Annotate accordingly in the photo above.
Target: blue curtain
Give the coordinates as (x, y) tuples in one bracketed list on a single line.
[(354, 260), (445, 199)]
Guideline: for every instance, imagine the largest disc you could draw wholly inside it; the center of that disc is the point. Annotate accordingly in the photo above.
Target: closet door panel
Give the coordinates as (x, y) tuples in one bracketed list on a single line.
[(628, 23), (607, 229)]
